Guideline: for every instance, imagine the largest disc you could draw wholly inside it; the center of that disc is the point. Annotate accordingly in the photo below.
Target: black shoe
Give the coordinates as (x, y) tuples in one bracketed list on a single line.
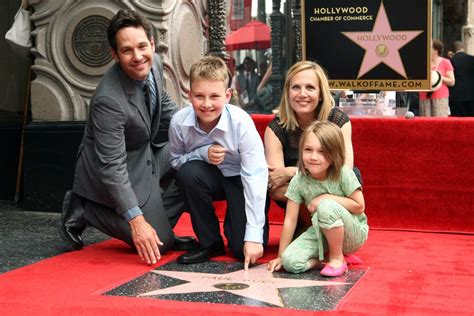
[(202, 255), (185, 243), (72, 221)]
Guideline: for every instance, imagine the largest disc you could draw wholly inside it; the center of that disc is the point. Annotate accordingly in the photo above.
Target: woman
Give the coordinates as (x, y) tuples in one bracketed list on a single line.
[(436, 103), (306, 98)]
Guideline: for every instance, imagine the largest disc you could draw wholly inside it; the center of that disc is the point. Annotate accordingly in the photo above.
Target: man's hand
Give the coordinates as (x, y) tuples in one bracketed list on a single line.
[(145, 239), (274, 265), (216, 154), (252, 252)]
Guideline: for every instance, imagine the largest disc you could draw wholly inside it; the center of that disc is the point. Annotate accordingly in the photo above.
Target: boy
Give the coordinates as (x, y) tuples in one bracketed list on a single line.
[(219, 155)]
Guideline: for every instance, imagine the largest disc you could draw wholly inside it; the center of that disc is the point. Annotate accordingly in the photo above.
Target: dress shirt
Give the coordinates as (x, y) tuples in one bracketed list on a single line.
[(244, 156)]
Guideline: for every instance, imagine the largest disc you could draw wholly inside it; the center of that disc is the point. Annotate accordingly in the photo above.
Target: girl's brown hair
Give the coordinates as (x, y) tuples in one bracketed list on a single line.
[(332, 143)]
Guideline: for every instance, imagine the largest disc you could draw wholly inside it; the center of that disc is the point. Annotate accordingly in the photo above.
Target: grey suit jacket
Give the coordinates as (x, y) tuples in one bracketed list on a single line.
[(117, 158)]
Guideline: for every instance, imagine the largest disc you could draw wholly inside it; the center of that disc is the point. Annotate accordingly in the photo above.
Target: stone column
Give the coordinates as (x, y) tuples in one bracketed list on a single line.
[(277, 23), (217, 28), (468, 29), (296, 10)]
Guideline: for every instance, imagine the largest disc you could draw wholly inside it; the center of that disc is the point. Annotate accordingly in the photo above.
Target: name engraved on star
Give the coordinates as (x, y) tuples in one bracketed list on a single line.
[(223, 278), (216, 277)]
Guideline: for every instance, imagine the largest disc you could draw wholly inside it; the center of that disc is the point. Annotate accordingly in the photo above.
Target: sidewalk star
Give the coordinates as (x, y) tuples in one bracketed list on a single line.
[(256, 283)]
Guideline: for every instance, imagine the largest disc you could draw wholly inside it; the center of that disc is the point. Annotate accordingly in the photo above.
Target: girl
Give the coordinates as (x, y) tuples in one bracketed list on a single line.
[(333, 196)]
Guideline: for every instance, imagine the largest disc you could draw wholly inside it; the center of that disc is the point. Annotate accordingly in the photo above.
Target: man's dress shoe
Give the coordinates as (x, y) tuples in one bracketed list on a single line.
[(72, 221), (185, 243), (202, 255)]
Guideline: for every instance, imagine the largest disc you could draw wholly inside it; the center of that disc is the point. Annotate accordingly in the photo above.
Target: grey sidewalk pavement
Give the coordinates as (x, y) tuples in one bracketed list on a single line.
[(28, 237)]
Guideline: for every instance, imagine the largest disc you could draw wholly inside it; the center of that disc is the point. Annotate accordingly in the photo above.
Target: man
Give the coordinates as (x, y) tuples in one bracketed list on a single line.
[(124, 153), (248, 81), (461, 95)]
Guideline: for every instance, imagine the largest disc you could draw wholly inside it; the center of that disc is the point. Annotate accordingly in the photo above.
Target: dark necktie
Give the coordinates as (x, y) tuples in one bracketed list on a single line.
[(247, 82), (150, 95)]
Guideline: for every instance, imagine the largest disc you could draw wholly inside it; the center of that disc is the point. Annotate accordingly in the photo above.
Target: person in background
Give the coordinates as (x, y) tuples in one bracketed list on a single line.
[(461, 95), (306, 98), (334, 199), (124, 153), (219, 155), (436, 103), (246, 84)]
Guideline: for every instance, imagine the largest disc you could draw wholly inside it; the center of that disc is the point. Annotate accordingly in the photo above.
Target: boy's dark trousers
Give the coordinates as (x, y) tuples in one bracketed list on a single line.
[(200, 184)]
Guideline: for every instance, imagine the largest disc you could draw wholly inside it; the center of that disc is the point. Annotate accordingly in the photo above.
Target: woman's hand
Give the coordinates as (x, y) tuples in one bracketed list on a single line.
[(278, 177)]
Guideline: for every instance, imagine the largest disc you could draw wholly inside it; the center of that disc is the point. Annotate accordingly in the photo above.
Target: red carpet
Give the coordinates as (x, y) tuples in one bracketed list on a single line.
[(418, 175), (410, 273)]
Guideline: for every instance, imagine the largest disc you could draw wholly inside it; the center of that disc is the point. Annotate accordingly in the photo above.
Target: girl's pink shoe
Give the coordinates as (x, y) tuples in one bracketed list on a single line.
[(334, 272), (352, 259)]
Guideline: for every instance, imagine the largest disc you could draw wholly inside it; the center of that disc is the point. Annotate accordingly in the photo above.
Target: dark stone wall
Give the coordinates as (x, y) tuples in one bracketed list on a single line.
[(49, 159), (454, 18)]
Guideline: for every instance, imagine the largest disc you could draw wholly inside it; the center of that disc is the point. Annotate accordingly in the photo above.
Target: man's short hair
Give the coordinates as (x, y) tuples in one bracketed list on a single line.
[(458, 45), (127, 18)]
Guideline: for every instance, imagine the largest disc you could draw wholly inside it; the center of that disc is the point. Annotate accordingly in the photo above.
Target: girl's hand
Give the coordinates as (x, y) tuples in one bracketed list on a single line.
[(313, 205), (274, 265)]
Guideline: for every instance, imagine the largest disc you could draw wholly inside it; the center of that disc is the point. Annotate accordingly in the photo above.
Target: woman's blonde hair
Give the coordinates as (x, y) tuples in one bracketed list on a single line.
[(332, 143), (287, 114), (209, 68)]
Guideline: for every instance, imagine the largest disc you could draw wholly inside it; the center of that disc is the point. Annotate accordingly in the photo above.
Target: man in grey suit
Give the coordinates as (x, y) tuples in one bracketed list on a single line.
[(124, 153)]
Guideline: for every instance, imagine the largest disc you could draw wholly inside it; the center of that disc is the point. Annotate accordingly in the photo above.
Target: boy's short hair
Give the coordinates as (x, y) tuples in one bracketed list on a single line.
[(332, 142), (209, 68)]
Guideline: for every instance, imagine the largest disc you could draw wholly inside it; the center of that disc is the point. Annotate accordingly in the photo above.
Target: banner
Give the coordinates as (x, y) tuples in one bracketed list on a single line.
[(369, 44)]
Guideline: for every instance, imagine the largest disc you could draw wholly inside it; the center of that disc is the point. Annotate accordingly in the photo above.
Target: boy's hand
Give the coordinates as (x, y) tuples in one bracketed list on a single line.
[(252, 252), (216, 154), (274, 265)]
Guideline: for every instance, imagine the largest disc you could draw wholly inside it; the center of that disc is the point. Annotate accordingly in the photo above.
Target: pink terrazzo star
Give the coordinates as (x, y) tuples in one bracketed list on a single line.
[(257, 283), (382, 44)]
